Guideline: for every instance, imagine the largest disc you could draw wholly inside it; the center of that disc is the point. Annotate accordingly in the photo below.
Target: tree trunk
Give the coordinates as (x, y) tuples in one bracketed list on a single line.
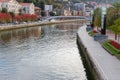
[(115, 36), (118, 37), (97, 28)]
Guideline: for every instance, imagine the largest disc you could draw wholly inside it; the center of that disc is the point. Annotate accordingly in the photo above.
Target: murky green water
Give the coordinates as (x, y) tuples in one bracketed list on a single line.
[(41, 53)]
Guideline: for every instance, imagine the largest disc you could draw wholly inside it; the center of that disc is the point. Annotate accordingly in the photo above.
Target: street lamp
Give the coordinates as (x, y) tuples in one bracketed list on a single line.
[(62, 12), (103, 21), (92, 18), (69, 4)]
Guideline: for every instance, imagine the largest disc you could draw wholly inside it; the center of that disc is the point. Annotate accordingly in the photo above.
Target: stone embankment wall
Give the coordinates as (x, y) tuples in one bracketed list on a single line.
[(91, 71), (9, 27)]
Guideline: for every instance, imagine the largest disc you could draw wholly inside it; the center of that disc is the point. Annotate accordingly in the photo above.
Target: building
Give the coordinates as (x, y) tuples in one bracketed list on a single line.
[(28, 8), (87, 13), (75, 13), (67, 13), (14, 6), (48, 8), (38, 12), (103, 4), (80, 7), (10, 5)]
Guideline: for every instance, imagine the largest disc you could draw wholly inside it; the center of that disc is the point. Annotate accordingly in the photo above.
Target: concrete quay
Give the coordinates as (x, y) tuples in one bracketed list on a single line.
[(37, 23), (106, 66)]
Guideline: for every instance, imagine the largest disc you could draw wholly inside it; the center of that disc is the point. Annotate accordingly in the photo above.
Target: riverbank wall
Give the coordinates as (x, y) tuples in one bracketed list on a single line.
[(91, 71), (18, 26), (101, 65)]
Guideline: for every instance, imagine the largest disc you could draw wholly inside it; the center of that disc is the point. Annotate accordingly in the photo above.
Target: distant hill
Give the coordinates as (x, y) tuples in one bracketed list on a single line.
[(109, 1), (100, 1), (58, 3)]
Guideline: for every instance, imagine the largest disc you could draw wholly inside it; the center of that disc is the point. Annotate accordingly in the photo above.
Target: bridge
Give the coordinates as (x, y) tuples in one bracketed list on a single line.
[(66, 17)]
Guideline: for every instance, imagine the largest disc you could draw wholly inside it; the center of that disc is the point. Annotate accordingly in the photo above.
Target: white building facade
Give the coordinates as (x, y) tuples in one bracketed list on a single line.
[(28, 8), (14, 6), (80, 7), (10, 5), (48, 8)]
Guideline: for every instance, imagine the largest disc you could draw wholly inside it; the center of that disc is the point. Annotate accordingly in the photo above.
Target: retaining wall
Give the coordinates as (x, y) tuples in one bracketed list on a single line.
[(91, 71)]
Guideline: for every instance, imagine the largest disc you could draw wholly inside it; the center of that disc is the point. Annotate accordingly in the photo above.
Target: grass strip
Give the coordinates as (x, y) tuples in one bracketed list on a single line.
[(111, 48), (91, 33)]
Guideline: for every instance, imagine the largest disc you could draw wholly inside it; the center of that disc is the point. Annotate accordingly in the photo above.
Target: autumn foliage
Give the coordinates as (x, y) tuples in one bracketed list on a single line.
[(5, 17), (25, 17)]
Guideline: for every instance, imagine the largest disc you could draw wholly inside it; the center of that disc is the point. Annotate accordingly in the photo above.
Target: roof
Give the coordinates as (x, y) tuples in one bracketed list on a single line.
[(5, 0), (25, 4), (37, 8)]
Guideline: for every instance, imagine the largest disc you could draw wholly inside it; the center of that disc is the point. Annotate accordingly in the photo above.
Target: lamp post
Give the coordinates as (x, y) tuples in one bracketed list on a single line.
[(69, 4), (92, 18), (103, 21), (62, 12)]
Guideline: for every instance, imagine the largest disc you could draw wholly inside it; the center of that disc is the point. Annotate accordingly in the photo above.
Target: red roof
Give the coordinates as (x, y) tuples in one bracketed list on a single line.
[(25, 4), (4, 0), (37, 8)]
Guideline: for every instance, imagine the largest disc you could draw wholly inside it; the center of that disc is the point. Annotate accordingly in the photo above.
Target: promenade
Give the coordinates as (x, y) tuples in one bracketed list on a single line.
[(37, 23), (107, 65)]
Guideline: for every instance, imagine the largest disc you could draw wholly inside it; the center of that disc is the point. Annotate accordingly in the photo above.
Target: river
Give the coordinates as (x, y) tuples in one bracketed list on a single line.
[(41, 53)]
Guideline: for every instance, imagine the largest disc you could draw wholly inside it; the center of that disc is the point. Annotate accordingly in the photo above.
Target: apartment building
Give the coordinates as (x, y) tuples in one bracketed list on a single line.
[(14, 6)]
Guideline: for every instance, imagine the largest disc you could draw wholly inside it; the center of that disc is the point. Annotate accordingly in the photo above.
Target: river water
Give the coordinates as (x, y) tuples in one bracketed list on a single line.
[(41, 53)]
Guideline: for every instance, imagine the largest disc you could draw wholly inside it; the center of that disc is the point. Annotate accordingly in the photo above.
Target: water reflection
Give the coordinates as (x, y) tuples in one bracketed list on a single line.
[(20, 34), (41, 53)]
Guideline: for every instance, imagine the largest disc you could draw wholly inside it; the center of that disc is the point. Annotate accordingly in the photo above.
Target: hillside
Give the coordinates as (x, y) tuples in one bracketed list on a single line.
[(58, 3)]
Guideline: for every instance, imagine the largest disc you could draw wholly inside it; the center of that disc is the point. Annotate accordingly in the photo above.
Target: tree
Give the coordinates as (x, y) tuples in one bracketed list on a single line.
[(113, 13), (52, 13), (12, 15), (5, 17), (42, 8), (20, 0), (76, 1), (97, 17), (115, 28), (4, 10), (49, 2), (110, 16), (57, 5), (20, 11)]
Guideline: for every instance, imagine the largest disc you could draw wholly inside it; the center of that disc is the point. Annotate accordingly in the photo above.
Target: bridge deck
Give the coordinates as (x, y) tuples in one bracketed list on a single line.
[(66, 17)]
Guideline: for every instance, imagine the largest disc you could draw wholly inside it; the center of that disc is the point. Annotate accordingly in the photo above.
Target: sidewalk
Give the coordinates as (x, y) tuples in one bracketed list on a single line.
[(112, 36), (107, 65)]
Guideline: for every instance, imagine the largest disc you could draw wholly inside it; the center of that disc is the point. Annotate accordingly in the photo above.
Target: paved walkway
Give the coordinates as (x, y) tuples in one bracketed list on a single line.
[(107, 65), (111, 35)]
